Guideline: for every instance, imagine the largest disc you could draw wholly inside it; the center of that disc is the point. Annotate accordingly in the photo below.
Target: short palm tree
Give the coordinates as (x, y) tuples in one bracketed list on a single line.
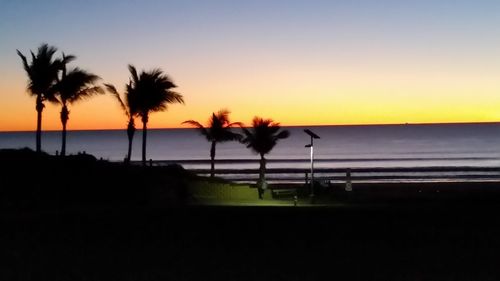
[(75, 85), (129, 108), (218, 130), (261, 138), (151, 92), (42, 72)]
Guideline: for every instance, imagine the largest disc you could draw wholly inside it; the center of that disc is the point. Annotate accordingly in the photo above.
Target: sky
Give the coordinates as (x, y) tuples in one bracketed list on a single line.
[(298, 62)]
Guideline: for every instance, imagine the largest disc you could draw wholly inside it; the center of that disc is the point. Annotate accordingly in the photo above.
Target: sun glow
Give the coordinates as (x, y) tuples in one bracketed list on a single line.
[(297, 64)]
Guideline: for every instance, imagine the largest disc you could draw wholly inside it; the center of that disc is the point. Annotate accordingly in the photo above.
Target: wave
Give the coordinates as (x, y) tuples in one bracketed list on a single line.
[(328, 160)]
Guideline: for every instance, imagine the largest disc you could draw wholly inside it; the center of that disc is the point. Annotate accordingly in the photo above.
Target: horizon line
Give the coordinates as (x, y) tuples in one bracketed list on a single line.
[(293, 126)]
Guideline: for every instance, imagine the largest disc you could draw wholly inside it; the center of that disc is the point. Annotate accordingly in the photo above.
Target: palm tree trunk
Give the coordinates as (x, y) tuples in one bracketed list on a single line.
[(262, 176), (39, 109), (129, 152), (64, 121), (63, 147), (144, 138), (130, 134), (212, 159)]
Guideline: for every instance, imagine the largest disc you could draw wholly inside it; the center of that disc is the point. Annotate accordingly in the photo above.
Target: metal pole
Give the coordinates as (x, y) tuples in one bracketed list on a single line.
[(311, 145), (312, 168)]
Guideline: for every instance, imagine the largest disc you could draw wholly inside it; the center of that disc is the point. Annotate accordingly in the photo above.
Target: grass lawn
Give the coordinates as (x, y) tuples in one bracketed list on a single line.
[(205, 192)]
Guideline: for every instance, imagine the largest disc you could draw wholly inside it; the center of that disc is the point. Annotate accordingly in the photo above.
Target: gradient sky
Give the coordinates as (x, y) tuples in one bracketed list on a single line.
[(298, 62)]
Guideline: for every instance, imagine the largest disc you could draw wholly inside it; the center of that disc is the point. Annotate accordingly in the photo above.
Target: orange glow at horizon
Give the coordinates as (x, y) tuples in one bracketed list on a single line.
[(290, 96), (331, 63), (335, 106)]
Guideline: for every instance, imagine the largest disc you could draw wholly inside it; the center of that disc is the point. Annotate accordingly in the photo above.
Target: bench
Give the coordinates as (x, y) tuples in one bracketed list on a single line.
[(285, 192)]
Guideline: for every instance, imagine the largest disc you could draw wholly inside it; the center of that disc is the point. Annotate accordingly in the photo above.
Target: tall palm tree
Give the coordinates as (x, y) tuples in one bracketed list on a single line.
[(129, 108), (151, 92), (73, 86), (261, 138), (218, 130), (42, 72)]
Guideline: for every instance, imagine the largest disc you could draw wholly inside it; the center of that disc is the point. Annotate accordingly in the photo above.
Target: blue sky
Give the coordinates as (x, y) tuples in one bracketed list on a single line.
[(221, 51)]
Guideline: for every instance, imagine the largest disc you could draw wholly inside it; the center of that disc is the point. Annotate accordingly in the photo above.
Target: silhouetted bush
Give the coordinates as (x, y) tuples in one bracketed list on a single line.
[(41, 181)]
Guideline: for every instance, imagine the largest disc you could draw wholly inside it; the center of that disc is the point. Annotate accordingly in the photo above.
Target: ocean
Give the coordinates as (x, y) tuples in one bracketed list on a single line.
[(412, 145)]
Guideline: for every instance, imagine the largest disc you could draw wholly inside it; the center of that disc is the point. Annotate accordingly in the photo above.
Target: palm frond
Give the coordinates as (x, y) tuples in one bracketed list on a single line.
[(283, 134), (263, 135), (112, 90), (228, 135), (174, 97), (45, 50), (223, 115), (203, 131), (86, 93), (51, 95), (248, 137), (67, 58), (25, 62), (133, 73), (76, 85), (42, 71), (33, 56), (193, 123), (61, 63), (150, 91), (235, 124), (28, 70)]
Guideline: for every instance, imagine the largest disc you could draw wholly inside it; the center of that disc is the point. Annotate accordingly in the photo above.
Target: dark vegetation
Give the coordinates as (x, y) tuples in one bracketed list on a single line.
[(41, 182)]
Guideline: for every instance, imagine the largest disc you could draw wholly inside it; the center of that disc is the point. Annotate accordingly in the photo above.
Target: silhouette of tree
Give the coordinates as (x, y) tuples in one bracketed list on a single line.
[(130, 110), (73, 86), (151, 92), (218, 130), (42, 72), (261, 138)]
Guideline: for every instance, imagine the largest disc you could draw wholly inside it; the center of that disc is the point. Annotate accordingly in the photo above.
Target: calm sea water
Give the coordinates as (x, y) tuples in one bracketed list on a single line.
[(339, 146)]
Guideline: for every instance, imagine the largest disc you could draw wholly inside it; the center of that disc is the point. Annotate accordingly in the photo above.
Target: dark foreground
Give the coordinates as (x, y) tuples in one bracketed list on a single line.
[(254, 243), (77, 218)]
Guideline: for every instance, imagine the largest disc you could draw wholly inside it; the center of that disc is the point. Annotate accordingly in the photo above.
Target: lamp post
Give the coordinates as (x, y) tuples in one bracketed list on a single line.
[(311, 145)]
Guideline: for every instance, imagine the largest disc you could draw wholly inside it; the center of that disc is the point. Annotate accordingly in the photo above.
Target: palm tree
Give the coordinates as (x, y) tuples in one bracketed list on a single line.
[(129, 108), (74, 86), (151, 92), (262, 138), (42, 73), (218, 130)]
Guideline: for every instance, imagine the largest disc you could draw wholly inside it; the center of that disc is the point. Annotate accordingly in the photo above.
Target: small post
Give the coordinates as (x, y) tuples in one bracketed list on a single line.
[(348, 184), (307, 177), (150, 162)]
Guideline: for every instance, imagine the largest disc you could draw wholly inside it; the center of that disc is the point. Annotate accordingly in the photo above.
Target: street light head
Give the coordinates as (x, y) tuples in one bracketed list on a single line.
[(308, 145), (313, 135)]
